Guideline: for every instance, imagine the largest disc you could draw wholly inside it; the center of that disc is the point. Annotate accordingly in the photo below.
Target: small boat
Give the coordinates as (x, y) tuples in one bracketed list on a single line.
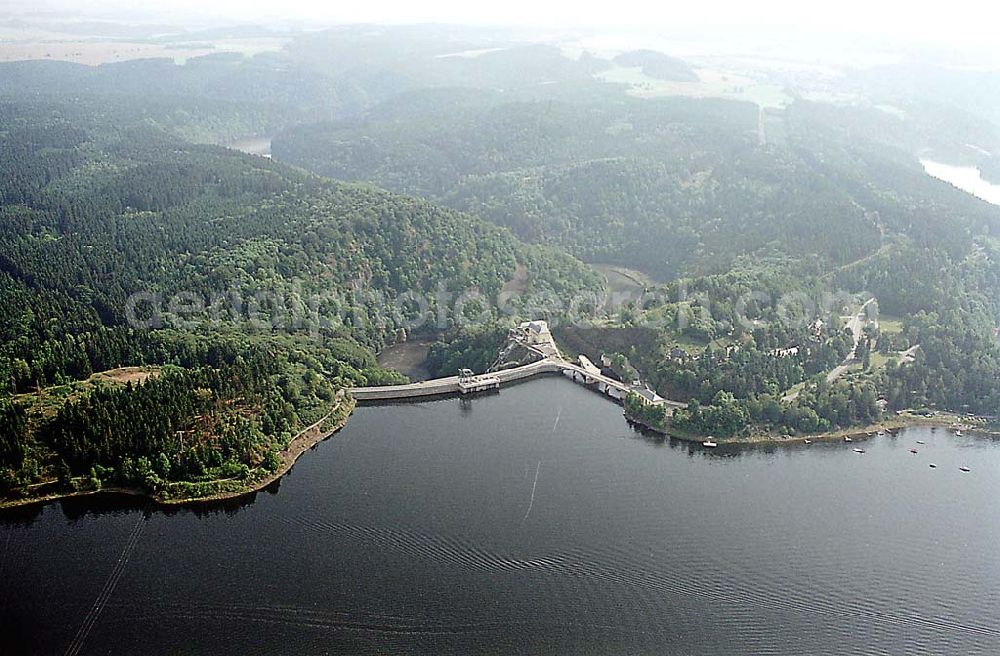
[(881, 433), (958, 433), (859, 450), (913, 450), (965, 469), (808, 441), (932, 466), (847, 439), (710, 443), (920, 442)]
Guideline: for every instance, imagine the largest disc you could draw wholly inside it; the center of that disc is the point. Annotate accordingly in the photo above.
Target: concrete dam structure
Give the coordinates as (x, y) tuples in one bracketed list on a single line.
[(534, 338)]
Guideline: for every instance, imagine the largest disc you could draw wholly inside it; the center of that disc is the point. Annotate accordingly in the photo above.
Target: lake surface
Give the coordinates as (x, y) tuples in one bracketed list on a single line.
[(533, 521), (966, 178), (252, 146)]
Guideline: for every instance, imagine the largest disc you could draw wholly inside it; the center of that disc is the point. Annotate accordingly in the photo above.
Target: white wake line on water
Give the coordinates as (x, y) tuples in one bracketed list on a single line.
[(109, 588), (533, 486)]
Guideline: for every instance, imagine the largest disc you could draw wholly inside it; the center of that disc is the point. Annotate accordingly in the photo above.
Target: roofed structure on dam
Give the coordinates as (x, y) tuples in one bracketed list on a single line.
[(535, 336), (531, 332)]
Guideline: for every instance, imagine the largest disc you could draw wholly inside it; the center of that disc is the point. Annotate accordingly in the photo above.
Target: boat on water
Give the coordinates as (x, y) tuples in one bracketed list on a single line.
[(932, 466), (859, 450), (958, 433), (965, 469), (848, 439), (920, 442), (913, 450), (881, 433), (710, 443), (808, 441)]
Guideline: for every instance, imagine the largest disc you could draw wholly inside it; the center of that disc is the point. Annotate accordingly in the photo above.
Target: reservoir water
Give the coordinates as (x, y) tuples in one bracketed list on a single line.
[(966, 178), (533, 521), (252, 146)]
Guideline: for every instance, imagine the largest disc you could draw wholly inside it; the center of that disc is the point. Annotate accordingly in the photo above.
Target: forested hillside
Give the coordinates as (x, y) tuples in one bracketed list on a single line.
[(668, 186), (119, 243), (811, 199), (250, 291), (329, 74)]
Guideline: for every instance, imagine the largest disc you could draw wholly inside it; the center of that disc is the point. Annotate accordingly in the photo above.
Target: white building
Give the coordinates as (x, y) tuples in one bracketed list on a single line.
[(535, 332)]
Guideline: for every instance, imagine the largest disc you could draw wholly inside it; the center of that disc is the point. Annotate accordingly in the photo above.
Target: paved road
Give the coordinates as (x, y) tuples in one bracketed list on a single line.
[(856, 324), (448, 384), (840, 370)]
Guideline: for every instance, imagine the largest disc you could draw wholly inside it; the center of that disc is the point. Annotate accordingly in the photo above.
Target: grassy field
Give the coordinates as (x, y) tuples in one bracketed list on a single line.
[(622, 278), (44, 403), (880, 361), (890, 324), (53, 40), (712, 83), (689, 344)]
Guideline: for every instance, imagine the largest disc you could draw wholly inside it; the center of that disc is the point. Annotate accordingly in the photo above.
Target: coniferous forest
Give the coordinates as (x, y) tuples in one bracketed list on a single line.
[(247, 291), (175, 311)]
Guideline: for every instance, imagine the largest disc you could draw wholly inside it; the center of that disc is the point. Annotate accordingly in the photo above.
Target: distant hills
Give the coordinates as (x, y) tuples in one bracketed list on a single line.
[(671, 186), (658, 65)]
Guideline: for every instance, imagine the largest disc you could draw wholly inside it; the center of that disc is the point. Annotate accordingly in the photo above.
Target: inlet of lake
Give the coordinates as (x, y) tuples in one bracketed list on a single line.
[(967, 178), (531, 521)]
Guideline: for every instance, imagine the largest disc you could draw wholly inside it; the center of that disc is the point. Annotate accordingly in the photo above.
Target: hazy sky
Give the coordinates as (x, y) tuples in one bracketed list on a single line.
[(958, 22)]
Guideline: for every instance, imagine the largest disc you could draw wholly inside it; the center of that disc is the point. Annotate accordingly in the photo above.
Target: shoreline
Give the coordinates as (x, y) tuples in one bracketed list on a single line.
[(305, 440), (889, 425), (893, 424), (315, 433)]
